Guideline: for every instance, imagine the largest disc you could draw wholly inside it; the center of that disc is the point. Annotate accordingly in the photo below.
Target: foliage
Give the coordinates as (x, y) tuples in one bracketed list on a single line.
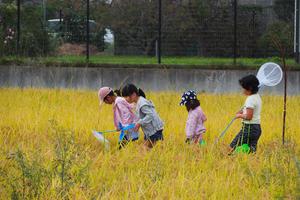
[(7, 27), (285, 10), (34, 40), (189, 28), (74, 21), (280, 31)]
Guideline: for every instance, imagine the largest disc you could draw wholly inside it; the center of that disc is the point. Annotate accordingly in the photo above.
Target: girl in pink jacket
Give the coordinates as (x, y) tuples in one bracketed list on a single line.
[(196, 118), (122, 112)]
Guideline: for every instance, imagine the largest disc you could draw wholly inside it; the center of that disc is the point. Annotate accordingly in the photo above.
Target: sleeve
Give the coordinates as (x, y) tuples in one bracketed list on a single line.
[(148, 115), (117, 117), (191, 123), (131, 106), (203, 116), (124, 113), (250, 102)]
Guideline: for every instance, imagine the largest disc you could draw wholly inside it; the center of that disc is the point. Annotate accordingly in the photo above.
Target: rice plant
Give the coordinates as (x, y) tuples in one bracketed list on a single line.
[(48, 151)]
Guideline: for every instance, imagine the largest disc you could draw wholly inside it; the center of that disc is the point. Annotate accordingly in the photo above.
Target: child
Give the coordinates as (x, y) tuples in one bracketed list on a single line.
[(122, 112), (148, 118), (196, 118), (251, 130)]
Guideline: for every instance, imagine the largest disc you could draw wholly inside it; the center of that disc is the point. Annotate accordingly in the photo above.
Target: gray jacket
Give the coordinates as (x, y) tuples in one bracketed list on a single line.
[(148, 117)]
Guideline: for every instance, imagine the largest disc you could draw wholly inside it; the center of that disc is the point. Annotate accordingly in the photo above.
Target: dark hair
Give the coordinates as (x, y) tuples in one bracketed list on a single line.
[(114, 93), (129, 89), (192, 104), (250, 83), (117, 92)]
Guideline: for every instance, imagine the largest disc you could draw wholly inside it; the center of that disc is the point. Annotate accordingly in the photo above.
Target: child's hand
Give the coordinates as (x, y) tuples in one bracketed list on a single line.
[(239, 115), (240, 112), (137, 127)]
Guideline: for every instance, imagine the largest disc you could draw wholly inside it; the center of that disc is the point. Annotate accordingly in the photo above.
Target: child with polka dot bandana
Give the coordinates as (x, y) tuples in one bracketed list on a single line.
[(196, 118)]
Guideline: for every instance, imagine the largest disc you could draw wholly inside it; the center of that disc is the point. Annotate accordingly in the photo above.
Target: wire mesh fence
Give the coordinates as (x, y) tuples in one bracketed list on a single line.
[(167, 28)]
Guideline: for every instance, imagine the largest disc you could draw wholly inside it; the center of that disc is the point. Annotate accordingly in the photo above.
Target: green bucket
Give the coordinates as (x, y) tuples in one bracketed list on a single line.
[(243, 149), (202, 143)]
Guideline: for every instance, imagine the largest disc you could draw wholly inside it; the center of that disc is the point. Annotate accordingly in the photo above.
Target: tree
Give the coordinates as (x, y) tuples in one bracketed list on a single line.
[(74, 20), (134, 24), (208, 20), (282, 29), (283, 32), (8, 20), (285, 10), (34, 40)]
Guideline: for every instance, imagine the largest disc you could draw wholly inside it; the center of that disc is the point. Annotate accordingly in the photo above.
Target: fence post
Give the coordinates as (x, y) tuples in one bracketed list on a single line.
[(87, 30), (18, 26), (44, 26), (159, 33), (296, 31), (60, 23), (234, 31)]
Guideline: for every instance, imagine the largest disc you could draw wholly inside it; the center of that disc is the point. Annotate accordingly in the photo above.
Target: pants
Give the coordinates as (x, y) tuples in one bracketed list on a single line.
[(249, 134), (156, 136), (151, 141)]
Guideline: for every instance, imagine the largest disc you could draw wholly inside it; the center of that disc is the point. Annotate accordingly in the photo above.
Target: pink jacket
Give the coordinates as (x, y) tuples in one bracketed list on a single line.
[(123, 112), (195, 122)]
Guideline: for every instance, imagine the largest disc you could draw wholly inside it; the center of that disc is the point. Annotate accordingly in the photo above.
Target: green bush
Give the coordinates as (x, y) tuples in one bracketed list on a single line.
[(281, 32), (34, 40), (8, 21)]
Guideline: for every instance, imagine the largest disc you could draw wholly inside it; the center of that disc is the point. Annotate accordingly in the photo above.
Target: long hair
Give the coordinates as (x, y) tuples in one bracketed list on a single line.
[(117, 92)]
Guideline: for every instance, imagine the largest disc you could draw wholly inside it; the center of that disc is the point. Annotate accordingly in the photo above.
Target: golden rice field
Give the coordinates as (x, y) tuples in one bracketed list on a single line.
[(47, 151)]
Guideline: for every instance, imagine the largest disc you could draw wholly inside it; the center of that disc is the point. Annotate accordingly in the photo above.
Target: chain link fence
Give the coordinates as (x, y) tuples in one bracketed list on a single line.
[(167, 28)]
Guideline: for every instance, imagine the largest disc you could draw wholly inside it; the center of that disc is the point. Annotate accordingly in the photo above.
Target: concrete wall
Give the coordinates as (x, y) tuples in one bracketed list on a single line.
[(256, 2), (212, 81)]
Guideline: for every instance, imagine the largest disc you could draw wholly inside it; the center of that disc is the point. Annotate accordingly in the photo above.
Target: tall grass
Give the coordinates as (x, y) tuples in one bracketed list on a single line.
[(47, 151)]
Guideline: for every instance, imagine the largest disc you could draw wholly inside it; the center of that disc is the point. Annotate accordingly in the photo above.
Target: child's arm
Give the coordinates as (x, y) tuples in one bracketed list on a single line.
[(117, 118), (122, 114), (126, 114), (203, 117), (240, 111), (250, 104), (247, 116), (145, 120)]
